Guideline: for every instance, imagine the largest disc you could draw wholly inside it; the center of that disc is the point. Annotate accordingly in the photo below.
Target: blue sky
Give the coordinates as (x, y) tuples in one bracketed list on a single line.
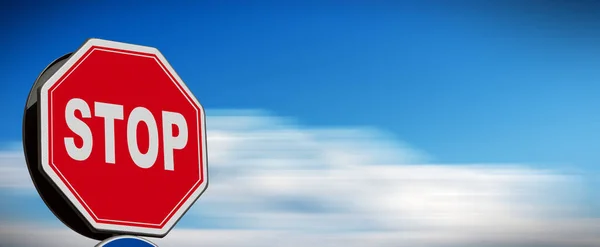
[(442, 77), (463, 82)]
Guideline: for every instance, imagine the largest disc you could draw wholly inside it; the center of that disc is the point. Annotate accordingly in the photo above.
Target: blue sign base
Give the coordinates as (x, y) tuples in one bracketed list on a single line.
[(126, 241)]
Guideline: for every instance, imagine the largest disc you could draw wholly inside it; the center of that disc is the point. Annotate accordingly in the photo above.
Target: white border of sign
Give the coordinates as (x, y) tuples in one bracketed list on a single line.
[(44, 144)]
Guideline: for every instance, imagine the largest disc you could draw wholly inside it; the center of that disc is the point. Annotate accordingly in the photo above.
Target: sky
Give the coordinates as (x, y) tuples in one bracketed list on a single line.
[(396, 123)]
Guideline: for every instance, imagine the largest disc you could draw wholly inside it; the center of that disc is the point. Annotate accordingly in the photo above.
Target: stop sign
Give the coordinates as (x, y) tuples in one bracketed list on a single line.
[(123, 138)]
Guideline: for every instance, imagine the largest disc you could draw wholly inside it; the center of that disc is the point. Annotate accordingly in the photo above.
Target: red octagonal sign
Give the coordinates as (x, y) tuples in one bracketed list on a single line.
[(123, 138)]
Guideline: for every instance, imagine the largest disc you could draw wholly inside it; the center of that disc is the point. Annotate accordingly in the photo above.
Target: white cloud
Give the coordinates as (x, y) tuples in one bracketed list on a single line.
[(354, 178), (13, 171), (295, 185)]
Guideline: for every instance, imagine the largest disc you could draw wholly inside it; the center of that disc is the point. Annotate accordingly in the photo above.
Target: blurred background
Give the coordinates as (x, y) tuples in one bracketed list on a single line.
[(349, 123)]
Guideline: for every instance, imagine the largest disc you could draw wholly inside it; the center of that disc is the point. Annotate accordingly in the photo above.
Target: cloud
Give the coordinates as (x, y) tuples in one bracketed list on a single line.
[(285, 185), (275, 174), (13, 171)]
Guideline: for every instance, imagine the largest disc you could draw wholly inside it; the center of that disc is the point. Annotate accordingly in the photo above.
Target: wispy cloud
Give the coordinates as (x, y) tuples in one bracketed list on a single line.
[(290, 185), (13, 171)]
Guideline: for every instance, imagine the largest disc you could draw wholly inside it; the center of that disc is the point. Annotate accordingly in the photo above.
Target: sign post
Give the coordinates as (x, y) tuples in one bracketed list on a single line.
[(115, 141)]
